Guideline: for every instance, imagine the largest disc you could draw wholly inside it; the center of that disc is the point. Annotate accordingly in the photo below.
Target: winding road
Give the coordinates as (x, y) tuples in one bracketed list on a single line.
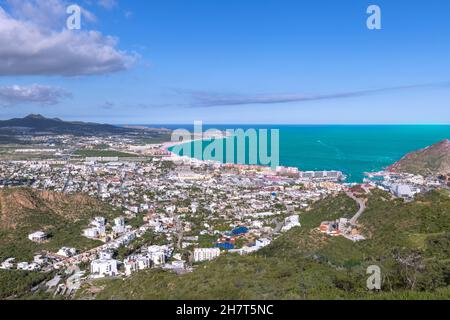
[(362, 207)]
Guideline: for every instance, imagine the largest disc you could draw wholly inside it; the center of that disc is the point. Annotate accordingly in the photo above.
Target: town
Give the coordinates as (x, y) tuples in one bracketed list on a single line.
[(190, 211)]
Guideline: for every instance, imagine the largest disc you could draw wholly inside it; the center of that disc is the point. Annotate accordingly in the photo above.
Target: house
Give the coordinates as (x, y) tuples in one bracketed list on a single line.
[(245, 250), (105, 255), (33, 267), (263, 242), (175, 265), (40, 259), (158, 254), (404, 191), (179, 264), (290, 222), (67, 252), (330, 228), (130, 265), (205, 254), (120, 221), (38, 236), (104, 268), (97, 228), (135, 263), (143, 262), (170, 209), (324, 227), (183, 210), (91, 233), (98, 222), (7, 264), (28, 266), (22, 266), (119, 225)]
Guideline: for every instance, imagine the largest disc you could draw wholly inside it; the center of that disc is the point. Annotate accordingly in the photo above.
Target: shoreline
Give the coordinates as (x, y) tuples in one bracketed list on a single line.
[(165, 146)]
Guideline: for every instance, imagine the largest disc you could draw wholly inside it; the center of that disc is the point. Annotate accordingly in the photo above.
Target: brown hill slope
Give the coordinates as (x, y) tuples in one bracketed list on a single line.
[(24, 210), (432, 160), (16, 205)]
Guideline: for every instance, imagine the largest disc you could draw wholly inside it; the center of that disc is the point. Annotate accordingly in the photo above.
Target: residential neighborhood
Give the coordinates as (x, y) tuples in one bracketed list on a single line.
[(196, 209)]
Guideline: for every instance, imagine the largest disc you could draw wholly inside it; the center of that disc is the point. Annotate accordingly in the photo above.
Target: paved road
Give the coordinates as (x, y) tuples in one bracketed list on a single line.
[(362, 207), (279, 225)]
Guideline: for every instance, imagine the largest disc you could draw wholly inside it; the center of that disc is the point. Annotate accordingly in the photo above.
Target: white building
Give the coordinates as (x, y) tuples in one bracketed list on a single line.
[(175, 265), (170, 209), (343, 224), (38, 236), (22, 266), (91, 233), (40, 259), (133, 264), (404, 191), (33, 266), (130, 265), (157, 257), (120, 221), (290, 222), (288, 171), (205, 254), (158, 254), (119, 229), (98, 221), (7, 264), (245, 250), (28, 266), (263, 242), (67, 252), (97, 228), (104, 268), (119, 225), (105, 255)]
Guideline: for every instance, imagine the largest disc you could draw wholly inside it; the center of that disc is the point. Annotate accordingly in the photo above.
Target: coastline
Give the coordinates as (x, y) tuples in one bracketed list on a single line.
[(223, 135), (166, 145), (338, 148)]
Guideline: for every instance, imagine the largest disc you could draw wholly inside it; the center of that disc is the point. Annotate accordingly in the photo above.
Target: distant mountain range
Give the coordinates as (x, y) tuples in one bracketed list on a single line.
[(36, 123), (432, 160)]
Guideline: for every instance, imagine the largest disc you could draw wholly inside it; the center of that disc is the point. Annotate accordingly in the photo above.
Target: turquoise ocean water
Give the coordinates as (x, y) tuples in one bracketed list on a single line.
[(352, 149)]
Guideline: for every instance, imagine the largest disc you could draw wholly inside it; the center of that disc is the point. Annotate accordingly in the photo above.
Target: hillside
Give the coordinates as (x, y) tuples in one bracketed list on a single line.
[(409, 241), (35, 123), (432, 160), (38, 124), (23, 211)]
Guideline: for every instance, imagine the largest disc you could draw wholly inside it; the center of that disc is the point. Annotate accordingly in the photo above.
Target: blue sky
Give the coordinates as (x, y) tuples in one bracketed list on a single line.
[(234, 61)]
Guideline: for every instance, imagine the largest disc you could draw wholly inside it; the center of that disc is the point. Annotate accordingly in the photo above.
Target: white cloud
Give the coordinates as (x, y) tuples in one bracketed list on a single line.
[(38, 94), (30, 45), (214, 99), (107, 105), (46, 14), (107, 4), (128, 14)]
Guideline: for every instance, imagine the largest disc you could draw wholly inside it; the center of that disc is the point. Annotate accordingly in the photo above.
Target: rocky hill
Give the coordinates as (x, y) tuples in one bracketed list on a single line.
[(432, 160), (35, 123), (16, 206), (38, 124), (24, 210)]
